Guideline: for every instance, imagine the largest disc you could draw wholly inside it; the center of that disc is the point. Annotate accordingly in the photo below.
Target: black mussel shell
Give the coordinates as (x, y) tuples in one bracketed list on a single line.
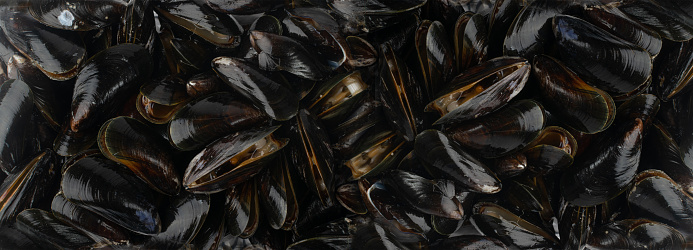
[(277, 195), (205, 119), (243, 209), (90, 224), (474, 38), (213, 228), (606, 169), (113, 192), (231, 160), (43, 227), (181, 219), (401, 95), (349, 195), (337, 97), (381, 150), (530, 32), (661, 152), (330, 49), (137, 146), (360, 16), (383, 201), (600, 58), (362, 53), (436, 57), (636, 234), (481, 89), (137, 24), (159, 100), (58, 53), (81, 15), (203, 84), (672, 73), (435, 197), (643, 106), (578, 105), (575, 224), (500, 19), (25, 187), (446, 159), (311, 154), (508, 166), (276, 100), (669, 23), (219, 29), (102, 87), (11, 238), (553, 150), (15, 123), (502, 132), (497, 222), (276, 52)]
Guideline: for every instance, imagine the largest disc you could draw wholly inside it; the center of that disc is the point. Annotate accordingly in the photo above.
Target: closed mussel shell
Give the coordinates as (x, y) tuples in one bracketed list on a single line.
[(447, 159), (243, 7), (15, 119), (474, 42), (11, 238), (661, 152), (382, 200), (90, 224), (579, 105), (436, 197), (277, 195), (362, 53), (181, 219), (481, 89), (469, 242), (657, 197), (276, 52), (79, 15), (207, 118), (602, 59), (496, 221), (43, 227), (137, 146), (322, 242), (436, 57), (636, 234), (530, 32), (350, 197), (243, 214), (159, 100), (672, 73), (25, 187), (670, 24), (276, 100), (458, 40), (381, 150), (219, 29), (113, 192), (231, 160), (502, 132)]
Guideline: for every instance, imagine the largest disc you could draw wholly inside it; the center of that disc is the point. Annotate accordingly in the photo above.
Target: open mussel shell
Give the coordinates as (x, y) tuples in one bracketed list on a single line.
[(474, 38), (158, 101), (15, 120), (510, 129), (231, 160), (81, 15), (481, 89), (102, 86), (435, 197), (602, 59), (400, 93), (181, 219), (553, 150), (496, 221), (113, 192), (90, 224), (205, 119), (25, 187), (636, 234), (672, 73), (218, 29), (669, 23), (435, 55), (657, 197), (579, 105), (362, 53), (446, 159), (381, 150), (530, 32), (606, 170), (243, 214), (37, 42), (43, 227), (276, 52), (277, 195), (311, 154), (137, 146), (275, 99), (337, 97)]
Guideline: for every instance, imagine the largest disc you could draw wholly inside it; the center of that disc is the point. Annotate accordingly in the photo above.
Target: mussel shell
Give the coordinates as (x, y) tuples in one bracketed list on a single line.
[(58, 53), (665, 21), (283, 53), (606, 170), (401, 95), (481, 89), (337, 97), (102, 86), (661, 152), (350, 197), (15, 123), (496, 221), (435, 56), (81, 15), (435, 197), (203, 84), (137, 146), (219, 29), (474, 42), (636, 234), (181, 219), (383, 201), (577, 104), (243, 214), (137, 24), (11, 238), (643, 106), (530, 32), (672, 73), (311, 154), (159, 100), (500, 19), (503, 132), (600, 58), (510, 165), (43, 227), (445, 158), (380, 151), (330, 49), (113, 192), (362, 53), (276, 100), (575, 224), (212, 230), (657, 197), (222, 163), (243, 7), (25, 187), (87, 222), (207, 118), (277, 195)]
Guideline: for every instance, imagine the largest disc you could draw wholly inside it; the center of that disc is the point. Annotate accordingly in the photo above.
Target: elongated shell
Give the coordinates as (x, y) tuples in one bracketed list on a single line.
[(496, 221), (24, 188), (435, 56), (42, 226), (218, 29), (181, 219), (79, 15), (15, 120), (90, 224)]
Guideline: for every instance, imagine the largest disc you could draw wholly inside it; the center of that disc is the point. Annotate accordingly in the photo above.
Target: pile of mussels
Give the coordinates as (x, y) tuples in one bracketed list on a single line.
[(339, 124)]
